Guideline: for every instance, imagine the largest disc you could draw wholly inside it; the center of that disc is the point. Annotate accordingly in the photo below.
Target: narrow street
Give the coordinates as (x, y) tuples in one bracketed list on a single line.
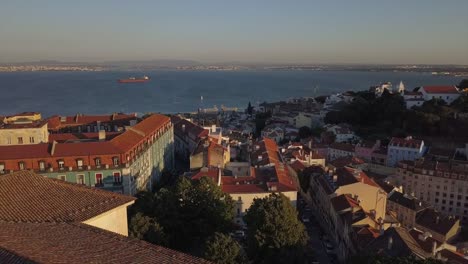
[(315, 246)]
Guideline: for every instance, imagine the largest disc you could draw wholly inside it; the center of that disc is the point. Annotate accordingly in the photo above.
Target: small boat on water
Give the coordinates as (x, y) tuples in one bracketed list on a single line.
[(134, 80)]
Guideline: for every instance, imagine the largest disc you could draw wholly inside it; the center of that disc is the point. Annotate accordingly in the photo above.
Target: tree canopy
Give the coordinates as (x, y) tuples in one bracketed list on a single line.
[(305, 132), (274, 233), (392, 260), (387, 116), (222, 249), (189, 212), (249, 109), (463, 84)]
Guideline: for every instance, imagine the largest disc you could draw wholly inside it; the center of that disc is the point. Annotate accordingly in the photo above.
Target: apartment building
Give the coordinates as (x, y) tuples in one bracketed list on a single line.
[(441, 184)]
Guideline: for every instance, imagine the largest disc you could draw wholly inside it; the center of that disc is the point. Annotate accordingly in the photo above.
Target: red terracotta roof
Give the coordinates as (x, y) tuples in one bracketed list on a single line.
[(28, 197), (297, 166), (346, 161), (262, 179), (405, 142), (56, 122), (343, 202), (441, 89), (117, 145), (342, 146), (453, 257), (361, 176), (79, 243), (62, 137)]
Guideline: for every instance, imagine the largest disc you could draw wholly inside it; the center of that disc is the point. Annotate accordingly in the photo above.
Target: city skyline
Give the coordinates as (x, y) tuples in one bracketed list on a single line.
[(304, 32)]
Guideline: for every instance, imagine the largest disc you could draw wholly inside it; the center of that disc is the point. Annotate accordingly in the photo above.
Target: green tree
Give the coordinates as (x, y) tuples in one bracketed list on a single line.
[(192, 211), (249, 109), (260, 122), (146, 228), (274, 233), (463, 84), (222, 249), (305, 132), (392, 260), (461, 103)]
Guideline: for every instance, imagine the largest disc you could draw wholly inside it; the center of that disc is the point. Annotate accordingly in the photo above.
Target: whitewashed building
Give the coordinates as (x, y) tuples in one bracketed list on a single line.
[(446, 93), (404, 149)]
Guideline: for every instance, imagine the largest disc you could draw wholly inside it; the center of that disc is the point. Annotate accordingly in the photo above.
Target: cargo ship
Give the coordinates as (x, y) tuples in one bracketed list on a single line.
[(134, 80)]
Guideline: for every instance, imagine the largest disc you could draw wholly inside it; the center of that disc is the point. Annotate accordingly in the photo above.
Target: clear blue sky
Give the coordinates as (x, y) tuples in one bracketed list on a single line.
[(328, 31)]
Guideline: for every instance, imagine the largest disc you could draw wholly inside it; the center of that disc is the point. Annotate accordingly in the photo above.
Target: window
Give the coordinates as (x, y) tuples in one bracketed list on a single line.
[(9, 140), (20, 140), (62, 177), (2, 167), (117, 178), (31, 139), (21, 165), (115, 160), (80, 179), (99, 179), (61, 164), (41, 165), (97, 161), (79, 163)]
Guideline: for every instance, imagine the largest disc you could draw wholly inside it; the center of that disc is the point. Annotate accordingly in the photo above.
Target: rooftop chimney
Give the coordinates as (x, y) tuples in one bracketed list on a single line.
[(390, 243), (434, 248), (52, 149), (102, 135), (219, 175)]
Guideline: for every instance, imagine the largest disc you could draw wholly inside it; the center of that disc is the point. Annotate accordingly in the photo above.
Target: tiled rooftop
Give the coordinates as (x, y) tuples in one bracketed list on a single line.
[(406, 142), (449, 89), (28, 197), (79, 243)]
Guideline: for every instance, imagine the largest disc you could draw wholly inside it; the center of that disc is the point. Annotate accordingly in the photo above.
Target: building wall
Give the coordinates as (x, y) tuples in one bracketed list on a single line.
[(370, 197), (196, 160), (405, 216), (411, 103), (396, 154), (10, 136), (338, 153), (243, 202), (446, 194), (303, 119), (239, 168), (448, 98), (114, 220), (441, 237)]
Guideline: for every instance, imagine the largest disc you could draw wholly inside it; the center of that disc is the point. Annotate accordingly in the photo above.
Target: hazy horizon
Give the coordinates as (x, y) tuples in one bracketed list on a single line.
[(264, 32)]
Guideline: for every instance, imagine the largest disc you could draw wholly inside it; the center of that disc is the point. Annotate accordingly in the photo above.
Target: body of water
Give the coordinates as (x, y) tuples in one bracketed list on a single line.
[(68, 93)]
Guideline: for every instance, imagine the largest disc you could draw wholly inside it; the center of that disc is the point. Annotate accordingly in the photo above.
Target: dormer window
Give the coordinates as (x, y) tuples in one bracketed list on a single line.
[(79, 163), (2, 167), (97, 161), (61, 164), (21, 165), (115, 160), (41, 165)]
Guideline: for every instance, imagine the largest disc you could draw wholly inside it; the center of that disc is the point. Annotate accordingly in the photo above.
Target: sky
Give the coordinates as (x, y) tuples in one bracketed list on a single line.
[(250, 31)]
